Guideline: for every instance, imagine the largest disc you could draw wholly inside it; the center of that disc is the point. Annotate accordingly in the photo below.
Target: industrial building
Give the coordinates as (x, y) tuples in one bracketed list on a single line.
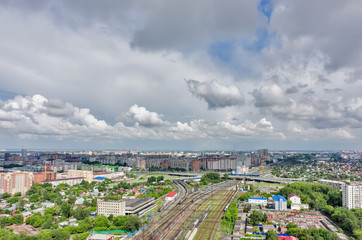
[(128, 206)]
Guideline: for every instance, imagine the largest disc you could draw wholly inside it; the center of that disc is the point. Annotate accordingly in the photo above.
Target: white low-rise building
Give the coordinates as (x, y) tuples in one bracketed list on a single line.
[(69, 181), (258, 200)]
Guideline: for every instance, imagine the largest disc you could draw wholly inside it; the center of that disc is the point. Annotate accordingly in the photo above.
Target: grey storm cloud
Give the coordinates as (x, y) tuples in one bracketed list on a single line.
[(215, 94)]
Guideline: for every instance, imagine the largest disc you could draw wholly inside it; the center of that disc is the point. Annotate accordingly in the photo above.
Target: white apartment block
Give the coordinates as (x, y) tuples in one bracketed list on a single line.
[(69, 181), (335, 184), (111, 207), (88, 175), (17, 181), (352, 195)]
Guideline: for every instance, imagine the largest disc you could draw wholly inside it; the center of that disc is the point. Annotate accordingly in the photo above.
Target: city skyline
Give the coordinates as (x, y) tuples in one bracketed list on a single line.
[(201, 75)]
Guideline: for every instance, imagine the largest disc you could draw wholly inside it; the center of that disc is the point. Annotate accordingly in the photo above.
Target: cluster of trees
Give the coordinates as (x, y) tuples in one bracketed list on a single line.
[(156, 192), (350, 220), (123, 223), (271, 235), (7, 221), (58, 234), (153, 179), (315, 194), (228, 221), (311, 233), (257, 217), (213, 177)]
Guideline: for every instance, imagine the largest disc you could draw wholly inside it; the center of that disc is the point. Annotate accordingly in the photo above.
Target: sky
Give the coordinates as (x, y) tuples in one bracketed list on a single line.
[(181, 75)]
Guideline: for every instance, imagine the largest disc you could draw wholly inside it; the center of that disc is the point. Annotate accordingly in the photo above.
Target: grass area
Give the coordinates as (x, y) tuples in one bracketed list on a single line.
[(158, 174), (265, 184)]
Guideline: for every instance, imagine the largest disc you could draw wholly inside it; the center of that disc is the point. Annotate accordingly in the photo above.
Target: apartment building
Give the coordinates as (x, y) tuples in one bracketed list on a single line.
[(69, 181), (17, 181), (332, 183), (88, 175), (352, 195)]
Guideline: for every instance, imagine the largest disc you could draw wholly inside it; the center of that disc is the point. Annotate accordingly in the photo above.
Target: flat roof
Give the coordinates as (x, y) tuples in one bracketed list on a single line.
[(64, 179), (256, 198), (137, 201)]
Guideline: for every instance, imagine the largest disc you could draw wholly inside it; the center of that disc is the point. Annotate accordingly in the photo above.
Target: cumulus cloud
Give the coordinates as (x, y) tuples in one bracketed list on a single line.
[(215, 94), (269, 96), (34, 116), (145, 117), (28, 117)]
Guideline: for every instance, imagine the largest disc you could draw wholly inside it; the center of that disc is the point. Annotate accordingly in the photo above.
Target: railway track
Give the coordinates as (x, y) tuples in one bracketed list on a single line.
[(170, 222), (209, 227), (174, 232), (155, 226)]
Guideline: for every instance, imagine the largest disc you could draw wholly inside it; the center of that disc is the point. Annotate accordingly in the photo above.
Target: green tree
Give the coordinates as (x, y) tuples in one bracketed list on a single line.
[(5, 195), (133, 224), (81, 213), (271, 235), (21, 204), (101, 221), (34, 197), (12, 200), (247, 208), (119, 221), (66, 210), (35, 220), (151, 179), (291, 225), (5, 221), (18, 219), (17, 194), (72, 200), (256, 217), (160, 178), (60, 234), (328, 209)]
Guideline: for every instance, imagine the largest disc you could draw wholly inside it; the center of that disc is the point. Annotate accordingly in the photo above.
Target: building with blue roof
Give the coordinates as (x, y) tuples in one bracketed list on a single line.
[(279, 203), (258, 200)]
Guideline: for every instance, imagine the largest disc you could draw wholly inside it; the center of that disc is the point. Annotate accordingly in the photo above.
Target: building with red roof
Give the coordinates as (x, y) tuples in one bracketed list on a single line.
[(288, 238), (171, 196)]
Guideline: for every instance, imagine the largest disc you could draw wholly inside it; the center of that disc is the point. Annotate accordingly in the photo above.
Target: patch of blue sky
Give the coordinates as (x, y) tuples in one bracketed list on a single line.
[(222, 51), (266, 8), (262, 39), (5, 95)]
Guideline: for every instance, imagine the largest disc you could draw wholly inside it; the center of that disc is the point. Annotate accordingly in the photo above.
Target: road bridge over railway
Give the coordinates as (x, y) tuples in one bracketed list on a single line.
[(265, 179)]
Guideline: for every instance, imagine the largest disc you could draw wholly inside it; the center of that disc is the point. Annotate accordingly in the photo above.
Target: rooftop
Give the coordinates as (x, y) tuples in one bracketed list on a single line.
[(137, 201), (279, 197), (171, 194)]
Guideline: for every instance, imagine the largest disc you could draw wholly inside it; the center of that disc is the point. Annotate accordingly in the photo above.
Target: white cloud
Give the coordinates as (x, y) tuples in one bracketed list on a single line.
[(269, 96), (30, 119), (145, 117), (215, 94)]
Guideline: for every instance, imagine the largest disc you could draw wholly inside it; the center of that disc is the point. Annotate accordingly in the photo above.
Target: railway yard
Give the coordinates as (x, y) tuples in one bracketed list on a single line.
[(192, 215)]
